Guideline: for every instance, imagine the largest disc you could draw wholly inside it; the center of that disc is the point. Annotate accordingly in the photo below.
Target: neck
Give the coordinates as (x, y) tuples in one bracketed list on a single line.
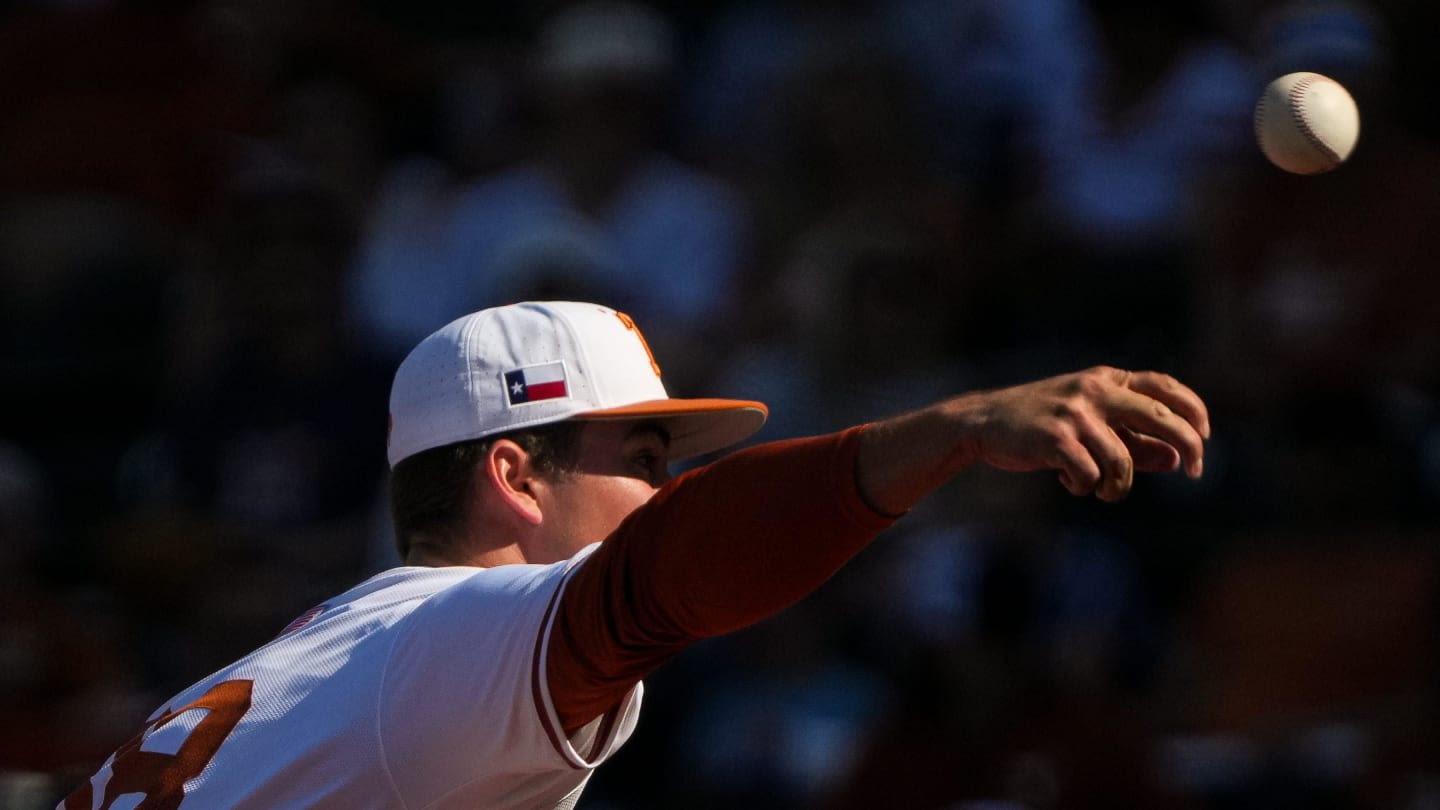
[(435, 555)]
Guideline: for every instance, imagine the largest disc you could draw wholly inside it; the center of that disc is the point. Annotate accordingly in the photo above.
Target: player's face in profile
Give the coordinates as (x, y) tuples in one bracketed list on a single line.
[(620, 466)]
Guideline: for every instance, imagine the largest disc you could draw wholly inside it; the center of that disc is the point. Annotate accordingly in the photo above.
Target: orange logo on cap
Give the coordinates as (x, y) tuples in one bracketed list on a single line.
[(630, 324)]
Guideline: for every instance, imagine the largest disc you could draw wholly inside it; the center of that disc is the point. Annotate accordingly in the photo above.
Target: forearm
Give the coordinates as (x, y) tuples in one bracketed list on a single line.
[(903, 459)]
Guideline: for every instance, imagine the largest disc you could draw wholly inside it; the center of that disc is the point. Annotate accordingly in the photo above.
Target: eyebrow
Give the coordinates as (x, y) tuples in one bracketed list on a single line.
[(651, 426)]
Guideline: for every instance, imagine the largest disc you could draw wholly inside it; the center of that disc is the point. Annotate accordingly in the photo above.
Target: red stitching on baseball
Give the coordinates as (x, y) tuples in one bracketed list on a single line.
[(1297, 111), (1260, 123)]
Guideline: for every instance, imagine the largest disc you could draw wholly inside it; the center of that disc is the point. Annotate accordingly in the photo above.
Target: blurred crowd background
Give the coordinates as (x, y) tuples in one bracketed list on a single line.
[(223, 222)]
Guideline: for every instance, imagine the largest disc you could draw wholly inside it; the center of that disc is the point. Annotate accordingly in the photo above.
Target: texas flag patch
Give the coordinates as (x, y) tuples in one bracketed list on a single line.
[(536, 383)]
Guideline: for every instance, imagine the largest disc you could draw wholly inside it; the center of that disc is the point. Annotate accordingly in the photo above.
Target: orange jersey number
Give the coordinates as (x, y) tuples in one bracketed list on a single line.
[(159, 775)]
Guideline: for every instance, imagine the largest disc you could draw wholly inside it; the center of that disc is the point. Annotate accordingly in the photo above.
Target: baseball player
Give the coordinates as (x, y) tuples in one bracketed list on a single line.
[(551, 563)]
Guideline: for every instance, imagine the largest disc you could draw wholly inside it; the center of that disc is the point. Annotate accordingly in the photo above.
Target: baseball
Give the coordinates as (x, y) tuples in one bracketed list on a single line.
[(1306, 123)]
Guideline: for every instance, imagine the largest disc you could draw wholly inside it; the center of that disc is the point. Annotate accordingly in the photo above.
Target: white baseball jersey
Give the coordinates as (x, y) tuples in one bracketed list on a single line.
[(420, 688), (429, 687)]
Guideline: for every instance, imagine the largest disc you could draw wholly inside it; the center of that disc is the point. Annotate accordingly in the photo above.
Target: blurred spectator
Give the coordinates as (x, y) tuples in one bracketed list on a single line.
[(1116, 115), (1152, 103), (1020, 655), (598, 209), (857, 325), (249, 493), (784, 733), (402, 281), (865, 305), (964, 61), (746, 69), (804, 105), (271, 423)]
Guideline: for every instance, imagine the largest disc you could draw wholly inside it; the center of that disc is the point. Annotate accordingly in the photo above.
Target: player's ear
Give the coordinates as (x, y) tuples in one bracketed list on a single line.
[(510, 476)]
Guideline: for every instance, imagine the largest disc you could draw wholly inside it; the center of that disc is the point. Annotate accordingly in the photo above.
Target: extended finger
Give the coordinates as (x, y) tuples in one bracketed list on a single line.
[(1154, 418), (1175, 395)]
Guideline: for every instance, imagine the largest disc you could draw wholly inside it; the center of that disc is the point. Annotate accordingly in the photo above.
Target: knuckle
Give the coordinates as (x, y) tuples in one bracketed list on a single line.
[(1110, 374), (1079, 406), (1094, 381)]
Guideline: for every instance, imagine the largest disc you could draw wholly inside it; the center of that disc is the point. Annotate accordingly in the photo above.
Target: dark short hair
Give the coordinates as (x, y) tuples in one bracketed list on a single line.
[(429, 490)]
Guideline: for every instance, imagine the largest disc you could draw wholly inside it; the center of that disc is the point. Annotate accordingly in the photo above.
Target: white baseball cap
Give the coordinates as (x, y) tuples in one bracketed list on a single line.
[(537, 362)]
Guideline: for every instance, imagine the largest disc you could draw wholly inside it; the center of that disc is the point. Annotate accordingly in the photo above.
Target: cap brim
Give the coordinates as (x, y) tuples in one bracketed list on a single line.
[(696, 426)]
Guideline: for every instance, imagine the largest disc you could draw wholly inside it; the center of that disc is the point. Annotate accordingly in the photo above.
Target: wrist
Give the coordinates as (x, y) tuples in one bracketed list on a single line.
[(964, 420), (902, 459)]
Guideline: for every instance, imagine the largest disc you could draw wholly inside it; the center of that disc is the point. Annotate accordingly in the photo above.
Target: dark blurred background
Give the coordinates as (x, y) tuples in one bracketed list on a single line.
[(223, 222)]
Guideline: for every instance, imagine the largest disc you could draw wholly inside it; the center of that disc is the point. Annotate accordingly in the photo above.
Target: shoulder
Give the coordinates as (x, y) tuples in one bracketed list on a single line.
[(518, 594)]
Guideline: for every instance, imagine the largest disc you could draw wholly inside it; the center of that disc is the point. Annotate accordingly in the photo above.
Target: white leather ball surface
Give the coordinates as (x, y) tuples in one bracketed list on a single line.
[(1306, 123)]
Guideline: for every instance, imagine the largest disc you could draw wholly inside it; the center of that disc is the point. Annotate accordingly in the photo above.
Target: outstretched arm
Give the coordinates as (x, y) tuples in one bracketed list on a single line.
[(740, 539)]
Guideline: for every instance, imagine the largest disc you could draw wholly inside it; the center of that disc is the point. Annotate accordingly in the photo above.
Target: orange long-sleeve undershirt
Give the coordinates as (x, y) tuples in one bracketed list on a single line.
[(716, 550)]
